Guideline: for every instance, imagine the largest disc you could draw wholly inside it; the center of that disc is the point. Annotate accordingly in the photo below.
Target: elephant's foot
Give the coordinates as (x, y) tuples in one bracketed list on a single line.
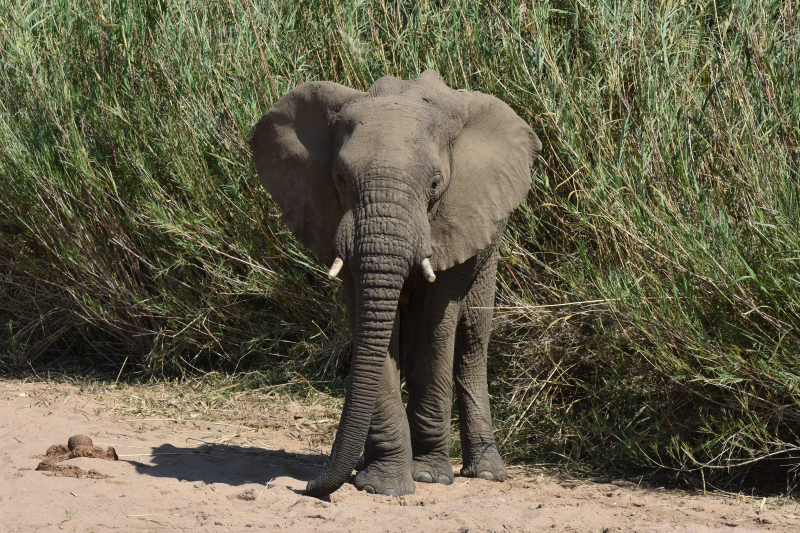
[(433, 468), (376, 478), (488, 466)]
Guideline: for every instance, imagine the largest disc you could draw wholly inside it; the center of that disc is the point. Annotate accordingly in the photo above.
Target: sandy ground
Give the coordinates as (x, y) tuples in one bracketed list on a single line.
[(240, 464)]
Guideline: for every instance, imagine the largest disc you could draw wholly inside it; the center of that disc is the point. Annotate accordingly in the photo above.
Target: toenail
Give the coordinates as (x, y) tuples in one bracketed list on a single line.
[(391, 492), (445, 480), (423, 477), (486, 475), (368, 488)]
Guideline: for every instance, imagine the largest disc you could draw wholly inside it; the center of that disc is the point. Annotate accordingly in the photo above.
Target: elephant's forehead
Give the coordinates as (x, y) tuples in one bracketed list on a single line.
[(392, 109), (396, 122), (393, 124), (406, 131)]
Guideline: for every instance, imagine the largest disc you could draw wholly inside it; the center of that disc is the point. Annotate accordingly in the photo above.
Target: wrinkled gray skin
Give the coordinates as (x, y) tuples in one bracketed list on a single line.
[(385, 179)]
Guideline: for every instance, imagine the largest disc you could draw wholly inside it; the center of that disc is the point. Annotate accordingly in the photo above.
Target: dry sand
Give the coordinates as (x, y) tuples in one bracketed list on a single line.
[(241, 465)]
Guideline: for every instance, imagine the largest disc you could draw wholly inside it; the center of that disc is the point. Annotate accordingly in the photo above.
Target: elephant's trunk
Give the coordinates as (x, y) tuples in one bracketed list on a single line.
[(383, 252)]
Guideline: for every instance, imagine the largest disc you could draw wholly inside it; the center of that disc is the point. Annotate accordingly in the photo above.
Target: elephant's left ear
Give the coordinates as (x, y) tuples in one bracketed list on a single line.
[(490, 176)]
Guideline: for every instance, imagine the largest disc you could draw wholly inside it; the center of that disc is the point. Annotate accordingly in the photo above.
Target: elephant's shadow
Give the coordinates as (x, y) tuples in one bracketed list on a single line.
[(230, 465)]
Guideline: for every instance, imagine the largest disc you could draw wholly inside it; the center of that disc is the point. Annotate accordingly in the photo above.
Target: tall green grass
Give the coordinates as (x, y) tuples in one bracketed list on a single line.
[(649, 291)]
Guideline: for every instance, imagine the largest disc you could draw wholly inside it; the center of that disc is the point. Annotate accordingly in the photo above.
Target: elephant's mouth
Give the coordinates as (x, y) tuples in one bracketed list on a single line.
[(425, 266)]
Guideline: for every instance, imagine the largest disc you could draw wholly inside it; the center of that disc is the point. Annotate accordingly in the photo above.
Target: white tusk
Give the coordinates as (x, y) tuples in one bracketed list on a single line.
[(428, 271), (335, 268)]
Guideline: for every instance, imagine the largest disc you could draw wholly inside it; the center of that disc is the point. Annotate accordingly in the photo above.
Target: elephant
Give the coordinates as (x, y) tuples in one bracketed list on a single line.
[(405, 189)]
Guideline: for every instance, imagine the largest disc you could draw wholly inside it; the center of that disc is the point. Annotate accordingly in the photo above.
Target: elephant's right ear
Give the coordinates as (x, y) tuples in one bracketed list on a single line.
[(292, 148)]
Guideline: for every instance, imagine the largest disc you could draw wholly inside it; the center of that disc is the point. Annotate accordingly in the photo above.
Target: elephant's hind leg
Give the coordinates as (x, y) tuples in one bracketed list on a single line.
[(481, 458), (386, 466)]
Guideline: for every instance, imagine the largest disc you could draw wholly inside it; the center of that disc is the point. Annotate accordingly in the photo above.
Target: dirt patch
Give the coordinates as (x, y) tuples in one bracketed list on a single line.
[(195, 459), (70, 471), (247, 496)]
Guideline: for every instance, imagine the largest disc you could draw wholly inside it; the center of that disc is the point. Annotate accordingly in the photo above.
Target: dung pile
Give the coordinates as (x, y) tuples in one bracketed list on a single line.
[(77, 446)]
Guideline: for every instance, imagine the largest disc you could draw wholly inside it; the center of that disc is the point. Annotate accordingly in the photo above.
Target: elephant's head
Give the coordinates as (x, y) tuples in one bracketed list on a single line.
[(410, 175)]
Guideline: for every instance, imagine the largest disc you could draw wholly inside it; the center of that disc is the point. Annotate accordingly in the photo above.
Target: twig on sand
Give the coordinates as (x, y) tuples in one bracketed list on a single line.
[(120, 371), (265, 488), (154, 514), (162, 524), (187, 420)]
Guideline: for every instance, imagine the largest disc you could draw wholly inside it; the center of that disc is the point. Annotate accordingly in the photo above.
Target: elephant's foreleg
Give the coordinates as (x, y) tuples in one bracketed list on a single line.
[(480, 455), (386, 466), (434, 315)]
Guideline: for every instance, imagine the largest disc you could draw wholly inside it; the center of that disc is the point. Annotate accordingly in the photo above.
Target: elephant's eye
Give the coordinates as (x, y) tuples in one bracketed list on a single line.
[(437, 181), (436, 190), (340, 179)]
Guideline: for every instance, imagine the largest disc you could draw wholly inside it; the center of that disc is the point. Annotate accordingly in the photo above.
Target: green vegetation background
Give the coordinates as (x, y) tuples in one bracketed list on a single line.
[(649, 289)]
